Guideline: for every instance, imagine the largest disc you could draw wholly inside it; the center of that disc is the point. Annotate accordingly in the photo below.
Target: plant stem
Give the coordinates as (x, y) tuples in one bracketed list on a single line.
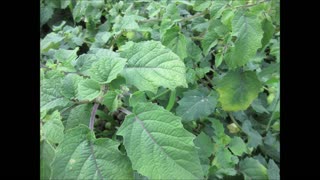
[(234, 121), (114, 39), (197, 38), (249, 5), (181, 20), (93, 115), (272, 115), (193, 16), (124, 110), (208, 79), (171, 100), (161, 94)]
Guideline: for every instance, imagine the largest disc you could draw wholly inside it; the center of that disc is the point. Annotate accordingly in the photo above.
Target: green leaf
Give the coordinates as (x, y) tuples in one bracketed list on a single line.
[(258, 107), (226, 17), (254, 138), (193, 51), (220, 137), (218, 59), (217, 8), (51, 41), (66, 58), (275, 50), (215, 30), (127, 22), (271, 147), (79, 115), (81, 156), (50, 95), (47, 154), (249, 34), (46, 13), (158, 145), (237, 146), (88, 89), (252, 169), (111, 101), (205, 145), (225, 162), (196, 104), (103, 37), (176, 41), (84, 62), (238, 89), (64, 3), (137, 97), (205, 150), (201, 5), (63, 55), (70, 85), (53, 128), (106, 69), (273, 170), (268, 30), (170, 16), (151, 65)]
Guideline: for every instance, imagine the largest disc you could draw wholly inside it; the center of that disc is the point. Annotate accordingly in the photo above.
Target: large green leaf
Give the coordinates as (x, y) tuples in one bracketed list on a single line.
[(238, 89), (151, 65), (53, 128), (158, 145), (253, 169), (249, 34), (81, 156), (106, 69), (196, 104), (176, 41)]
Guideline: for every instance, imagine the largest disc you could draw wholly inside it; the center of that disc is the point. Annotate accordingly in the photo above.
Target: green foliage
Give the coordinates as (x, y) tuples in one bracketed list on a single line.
[(159, 89)]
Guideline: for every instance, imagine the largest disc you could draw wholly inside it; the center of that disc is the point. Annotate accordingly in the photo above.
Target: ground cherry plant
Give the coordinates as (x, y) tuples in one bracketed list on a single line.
[(180, 89)]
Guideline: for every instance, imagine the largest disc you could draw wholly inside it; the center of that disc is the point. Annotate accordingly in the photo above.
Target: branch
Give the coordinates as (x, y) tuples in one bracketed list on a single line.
[(161, 94), (181, 20), (124, 110), (194, 16), (274, 108), (115, 37), (234, 121), (93, 115)]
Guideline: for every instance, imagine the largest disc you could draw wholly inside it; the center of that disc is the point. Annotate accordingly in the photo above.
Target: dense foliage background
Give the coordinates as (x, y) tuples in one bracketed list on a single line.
[(163, 89)]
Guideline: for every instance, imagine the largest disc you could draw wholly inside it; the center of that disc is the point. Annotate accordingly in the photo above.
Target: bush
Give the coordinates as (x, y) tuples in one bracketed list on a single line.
[(160, 89)]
